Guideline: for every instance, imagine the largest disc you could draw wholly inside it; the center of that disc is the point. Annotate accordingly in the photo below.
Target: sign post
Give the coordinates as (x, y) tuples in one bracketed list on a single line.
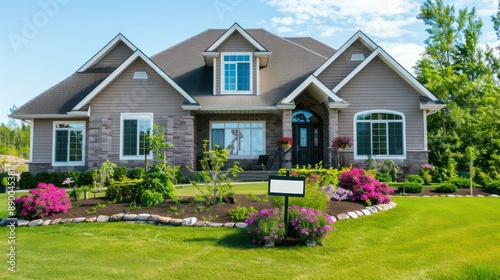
[(287, 186)]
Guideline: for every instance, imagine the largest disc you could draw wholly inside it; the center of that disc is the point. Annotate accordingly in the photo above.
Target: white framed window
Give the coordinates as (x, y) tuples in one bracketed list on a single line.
[(243, 139), (236, 73), (133, 130), (380, 134), (68, 145)]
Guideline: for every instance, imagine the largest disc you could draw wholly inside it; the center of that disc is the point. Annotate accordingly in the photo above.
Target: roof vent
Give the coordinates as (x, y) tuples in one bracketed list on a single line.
[(357, 57), (140, 76)]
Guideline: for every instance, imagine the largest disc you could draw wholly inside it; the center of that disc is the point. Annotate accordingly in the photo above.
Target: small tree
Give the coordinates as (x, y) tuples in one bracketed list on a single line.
[(156, 143), (212, 163)]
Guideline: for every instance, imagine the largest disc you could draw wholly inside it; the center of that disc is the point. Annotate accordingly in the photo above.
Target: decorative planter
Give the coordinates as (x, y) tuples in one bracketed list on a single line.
[(285, 146), (310, 243)]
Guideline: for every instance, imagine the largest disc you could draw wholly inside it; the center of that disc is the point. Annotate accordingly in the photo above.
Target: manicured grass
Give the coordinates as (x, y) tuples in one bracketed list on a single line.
[(422, 238), (239, 188)]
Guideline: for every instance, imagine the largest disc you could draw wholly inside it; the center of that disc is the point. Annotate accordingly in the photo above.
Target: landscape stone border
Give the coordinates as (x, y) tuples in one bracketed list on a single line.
[(193, 222)]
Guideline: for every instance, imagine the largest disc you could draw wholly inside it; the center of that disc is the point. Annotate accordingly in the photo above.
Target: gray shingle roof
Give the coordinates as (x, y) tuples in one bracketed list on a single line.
[(292, 61), (290, 64), (62, 97)]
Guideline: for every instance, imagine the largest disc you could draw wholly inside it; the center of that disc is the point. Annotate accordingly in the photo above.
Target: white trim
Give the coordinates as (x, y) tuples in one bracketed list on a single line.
[(134, 116), (222, 74), (315, 81), (358, 35), (46, 116), (242, 121), (109, 46), (215, 75), (424, 112), (232, 108), (257, 75), (32, 125), (229, 32), (364, 157), (121, 68), (84, 140)]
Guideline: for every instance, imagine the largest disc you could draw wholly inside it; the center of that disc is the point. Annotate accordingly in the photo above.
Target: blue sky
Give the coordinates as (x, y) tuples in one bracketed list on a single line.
[(44, 41)]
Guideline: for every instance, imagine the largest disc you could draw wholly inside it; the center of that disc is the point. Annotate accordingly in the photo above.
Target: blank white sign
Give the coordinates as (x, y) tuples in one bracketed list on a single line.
[(286, 187)]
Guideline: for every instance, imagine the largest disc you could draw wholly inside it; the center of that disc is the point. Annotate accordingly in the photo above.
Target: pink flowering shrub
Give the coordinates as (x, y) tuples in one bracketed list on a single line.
[(305, 223), (364, 187), (46, 200), (309, 224)]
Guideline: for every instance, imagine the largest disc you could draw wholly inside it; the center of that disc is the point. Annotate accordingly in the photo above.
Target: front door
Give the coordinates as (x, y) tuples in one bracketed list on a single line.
[(307, 139)]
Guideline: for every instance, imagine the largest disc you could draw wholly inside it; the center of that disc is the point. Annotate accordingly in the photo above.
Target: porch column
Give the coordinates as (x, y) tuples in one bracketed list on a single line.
[(333, 131), (287, 132)]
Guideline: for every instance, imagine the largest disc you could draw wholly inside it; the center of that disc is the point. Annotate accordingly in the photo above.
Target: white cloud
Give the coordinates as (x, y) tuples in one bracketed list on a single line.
[(407, 54), (284, 29), (383, 19)]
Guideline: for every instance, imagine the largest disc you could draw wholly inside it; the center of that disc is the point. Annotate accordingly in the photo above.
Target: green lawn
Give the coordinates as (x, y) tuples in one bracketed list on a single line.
[(422, 238)]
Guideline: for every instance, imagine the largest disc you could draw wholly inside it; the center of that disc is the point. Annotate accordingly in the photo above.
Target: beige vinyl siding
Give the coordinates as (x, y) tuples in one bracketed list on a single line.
[(378, 87), (43, 135), (42, 141), (126, 95), (342, 66), (115, 57), (236, 43)]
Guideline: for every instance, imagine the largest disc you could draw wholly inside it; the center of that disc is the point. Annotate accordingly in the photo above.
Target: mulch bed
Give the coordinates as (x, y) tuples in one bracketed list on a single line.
[(186, 207)]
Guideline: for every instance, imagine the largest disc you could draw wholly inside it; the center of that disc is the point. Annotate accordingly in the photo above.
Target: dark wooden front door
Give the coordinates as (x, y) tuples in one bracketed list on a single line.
[(307, 142)]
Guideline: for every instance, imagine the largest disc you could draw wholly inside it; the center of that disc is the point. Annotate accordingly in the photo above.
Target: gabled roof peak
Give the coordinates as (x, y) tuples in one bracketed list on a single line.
[(236, 28), (119, 38)]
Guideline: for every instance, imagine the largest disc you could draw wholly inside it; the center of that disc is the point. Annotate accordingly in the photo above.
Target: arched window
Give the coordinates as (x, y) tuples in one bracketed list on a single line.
[(380, 134)]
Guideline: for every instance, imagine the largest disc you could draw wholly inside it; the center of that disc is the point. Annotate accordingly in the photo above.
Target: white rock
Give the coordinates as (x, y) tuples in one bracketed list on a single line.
[(359, 213), (91, 220), (154, 218), (56, 221), (35, 223), (22, 223), (78, 220), (230, 224), (142, 217), (343, 216), (213, 224), (46, 222), (189, 221), (102, 219), (494, 195), (116, 217), (241, 225), (129, 217), (200, 224), (66, 221), (352, 214), (366, 212)]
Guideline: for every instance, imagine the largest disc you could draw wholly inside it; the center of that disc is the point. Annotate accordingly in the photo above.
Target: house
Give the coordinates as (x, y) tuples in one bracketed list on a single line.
[(240, 88)]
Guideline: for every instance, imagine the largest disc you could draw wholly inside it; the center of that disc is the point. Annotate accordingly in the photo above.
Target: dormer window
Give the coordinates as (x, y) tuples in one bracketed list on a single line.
[(237, 73)]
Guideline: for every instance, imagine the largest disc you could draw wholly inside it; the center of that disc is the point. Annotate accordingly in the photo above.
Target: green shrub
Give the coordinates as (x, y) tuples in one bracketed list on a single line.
[(88, 177), (150, 198), (119, 172), (447, 187), (315, 197), (26, 181), (462, 182), (74, 175), (327, 177), (411, 187), (158, 180), (241, 213), (197, 178), (43, 177), (137, 173), (4, 175), (383, 177), (414, 178), (56, 178), (125, 191), (493, 187)]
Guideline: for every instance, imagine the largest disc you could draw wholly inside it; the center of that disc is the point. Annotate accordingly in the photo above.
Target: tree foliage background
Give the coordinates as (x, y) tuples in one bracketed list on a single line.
[(15, 140), (465, 77)]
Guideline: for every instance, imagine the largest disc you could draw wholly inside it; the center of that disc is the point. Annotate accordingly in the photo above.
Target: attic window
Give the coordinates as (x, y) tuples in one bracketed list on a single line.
[(140, 76), (357, 57)]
